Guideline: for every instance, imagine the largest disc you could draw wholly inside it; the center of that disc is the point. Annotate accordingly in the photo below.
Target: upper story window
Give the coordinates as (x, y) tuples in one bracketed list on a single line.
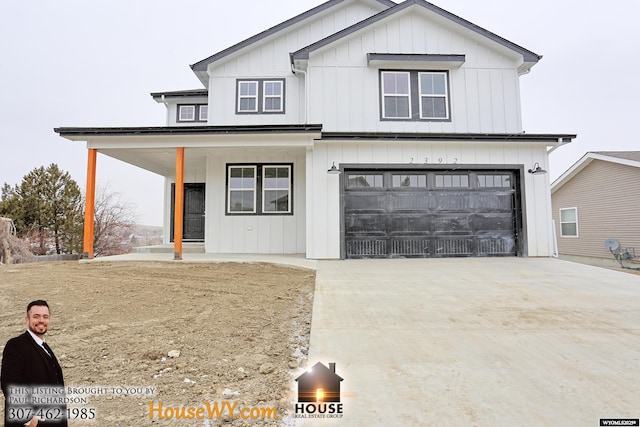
[(193, 112), (260, 96), (204, 113), (414, 95)]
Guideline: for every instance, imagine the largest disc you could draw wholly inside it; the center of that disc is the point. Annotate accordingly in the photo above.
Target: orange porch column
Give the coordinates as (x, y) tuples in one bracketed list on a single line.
[(179, 205), (90, 206)]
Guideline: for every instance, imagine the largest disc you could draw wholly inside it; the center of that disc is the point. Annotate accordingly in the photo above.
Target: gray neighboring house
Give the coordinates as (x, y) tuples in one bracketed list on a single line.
[(597, 199)]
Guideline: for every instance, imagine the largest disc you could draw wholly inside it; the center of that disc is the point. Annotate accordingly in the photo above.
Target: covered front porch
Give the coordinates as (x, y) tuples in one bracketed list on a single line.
[(205, 157)]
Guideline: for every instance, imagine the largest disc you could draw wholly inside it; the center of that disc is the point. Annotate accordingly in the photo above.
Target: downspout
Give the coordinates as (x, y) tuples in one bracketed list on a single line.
[(166, 106), (295, 70), (561, 142)]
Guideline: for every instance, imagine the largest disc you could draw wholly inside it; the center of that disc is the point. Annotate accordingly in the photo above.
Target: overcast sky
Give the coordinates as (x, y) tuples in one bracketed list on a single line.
[(94, 63)]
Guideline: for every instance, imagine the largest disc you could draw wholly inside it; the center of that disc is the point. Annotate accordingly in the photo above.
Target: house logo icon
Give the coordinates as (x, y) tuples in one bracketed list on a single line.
[(319, 392)]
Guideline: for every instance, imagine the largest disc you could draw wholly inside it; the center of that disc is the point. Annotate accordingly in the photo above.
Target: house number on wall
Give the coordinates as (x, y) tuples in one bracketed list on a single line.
[(440, 160)]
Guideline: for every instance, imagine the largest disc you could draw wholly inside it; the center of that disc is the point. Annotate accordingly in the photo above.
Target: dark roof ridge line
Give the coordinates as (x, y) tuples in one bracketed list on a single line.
[(199, 66), (528, 56)]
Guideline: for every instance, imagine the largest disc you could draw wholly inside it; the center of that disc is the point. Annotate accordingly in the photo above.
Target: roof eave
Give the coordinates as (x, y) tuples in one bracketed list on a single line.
[(529, 58), (585, 161), (78, 133), (547, 139), (202, 65)]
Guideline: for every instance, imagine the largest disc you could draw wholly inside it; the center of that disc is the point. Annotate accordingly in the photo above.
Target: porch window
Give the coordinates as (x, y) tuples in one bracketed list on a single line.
[(259, 189), (242, 189), (569, 222), (276, 187)]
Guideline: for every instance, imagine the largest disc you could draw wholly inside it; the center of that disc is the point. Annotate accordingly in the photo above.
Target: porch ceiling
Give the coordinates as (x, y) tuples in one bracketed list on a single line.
[(162, 161), (154, 148)]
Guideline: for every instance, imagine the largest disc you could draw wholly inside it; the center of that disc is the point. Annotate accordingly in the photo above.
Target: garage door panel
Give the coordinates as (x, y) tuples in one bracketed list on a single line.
[(408, 224), (487, 202), (409, 201), (370, 224), (410, 247), (495, 245), (493, 221), (450, 224), (366, 201), (470, 214), (365, 247), (453, 246), (449, 201)]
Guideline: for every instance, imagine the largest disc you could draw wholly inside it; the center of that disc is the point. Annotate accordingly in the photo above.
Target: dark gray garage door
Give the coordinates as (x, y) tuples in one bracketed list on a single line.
[(429, 213)]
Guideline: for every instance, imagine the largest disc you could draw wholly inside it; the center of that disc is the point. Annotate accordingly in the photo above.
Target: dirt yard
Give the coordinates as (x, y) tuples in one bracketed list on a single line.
[(241, 330)]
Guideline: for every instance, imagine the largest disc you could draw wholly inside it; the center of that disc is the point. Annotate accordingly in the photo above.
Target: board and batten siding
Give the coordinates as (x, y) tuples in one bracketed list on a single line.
[(273, 234), (269, 58), (608, 201), (345, 91), (323, 209)]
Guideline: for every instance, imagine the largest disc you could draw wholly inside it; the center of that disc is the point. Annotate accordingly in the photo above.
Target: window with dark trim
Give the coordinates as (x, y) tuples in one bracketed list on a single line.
[(414, 95), (193, 112), (259, 189), (260, 96)]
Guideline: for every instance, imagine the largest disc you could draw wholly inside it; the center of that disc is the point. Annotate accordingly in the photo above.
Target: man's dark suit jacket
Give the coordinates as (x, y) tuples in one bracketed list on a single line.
[(25, 363)]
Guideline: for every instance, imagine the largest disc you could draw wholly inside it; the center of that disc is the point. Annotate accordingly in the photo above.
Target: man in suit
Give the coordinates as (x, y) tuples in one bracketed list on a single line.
[(31, 376)]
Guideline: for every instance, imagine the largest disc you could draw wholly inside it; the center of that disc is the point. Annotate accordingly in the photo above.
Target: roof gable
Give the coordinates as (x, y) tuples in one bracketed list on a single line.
[(628, 158), (200, 67), (529, 57)]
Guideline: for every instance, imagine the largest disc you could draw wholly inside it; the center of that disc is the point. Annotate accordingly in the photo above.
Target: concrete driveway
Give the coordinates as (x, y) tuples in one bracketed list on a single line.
[(478, 342)]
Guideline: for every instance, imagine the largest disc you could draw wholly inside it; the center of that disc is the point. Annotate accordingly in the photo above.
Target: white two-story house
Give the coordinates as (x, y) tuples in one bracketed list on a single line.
[(360, 128)]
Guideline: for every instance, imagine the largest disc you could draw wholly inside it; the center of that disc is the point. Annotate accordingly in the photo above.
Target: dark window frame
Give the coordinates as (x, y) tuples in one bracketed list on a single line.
[(259, 189), (260, 96), (415, 97)]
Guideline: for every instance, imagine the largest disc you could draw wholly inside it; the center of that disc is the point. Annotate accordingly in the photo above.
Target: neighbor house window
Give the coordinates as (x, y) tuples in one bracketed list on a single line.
[(260, 96), (414, 95), (259, 189), (192, 113), (569, 222)]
